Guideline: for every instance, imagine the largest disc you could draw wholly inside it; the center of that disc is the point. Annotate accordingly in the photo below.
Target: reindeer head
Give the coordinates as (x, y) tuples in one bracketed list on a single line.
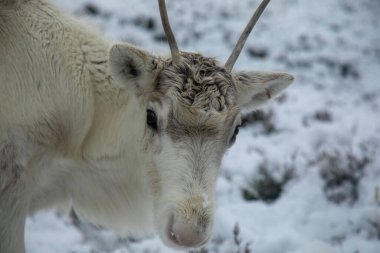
[(193, 108)]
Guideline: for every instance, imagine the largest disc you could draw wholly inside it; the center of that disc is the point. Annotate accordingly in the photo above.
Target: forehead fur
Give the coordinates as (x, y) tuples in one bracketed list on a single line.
[(198, 82), (192, 117)]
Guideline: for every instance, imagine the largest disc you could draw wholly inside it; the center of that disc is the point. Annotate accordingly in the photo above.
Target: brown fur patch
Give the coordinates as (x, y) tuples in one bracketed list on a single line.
[(187, 122), (10, 170)]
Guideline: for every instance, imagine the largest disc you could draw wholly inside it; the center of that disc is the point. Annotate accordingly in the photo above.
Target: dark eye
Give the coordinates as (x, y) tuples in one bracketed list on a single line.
[(151, 119), (233, 138)]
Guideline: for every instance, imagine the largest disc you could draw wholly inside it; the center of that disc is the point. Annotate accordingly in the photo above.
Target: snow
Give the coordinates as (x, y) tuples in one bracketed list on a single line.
[(328, 119), (48, 227)]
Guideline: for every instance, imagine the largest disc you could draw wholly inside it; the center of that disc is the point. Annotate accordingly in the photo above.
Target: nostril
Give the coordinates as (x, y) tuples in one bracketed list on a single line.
[(173, 236)]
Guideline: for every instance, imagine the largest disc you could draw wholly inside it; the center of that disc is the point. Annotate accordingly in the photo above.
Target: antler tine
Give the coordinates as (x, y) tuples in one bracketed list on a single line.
[(168, 31), (243, 37)]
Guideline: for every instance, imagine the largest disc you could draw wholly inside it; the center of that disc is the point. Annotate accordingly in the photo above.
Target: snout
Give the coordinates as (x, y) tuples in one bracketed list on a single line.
[(185, 233), (188, 224)]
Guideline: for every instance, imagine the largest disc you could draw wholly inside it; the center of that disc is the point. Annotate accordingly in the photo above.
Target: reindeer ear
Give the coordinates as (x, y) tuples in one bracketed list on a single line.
[(255, 88), (132, 67)]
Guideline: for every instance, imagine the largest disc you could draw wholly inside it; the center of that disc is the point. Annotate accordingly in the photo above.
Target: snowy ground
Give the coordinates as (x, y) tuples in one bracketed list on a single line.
[(304, 174)]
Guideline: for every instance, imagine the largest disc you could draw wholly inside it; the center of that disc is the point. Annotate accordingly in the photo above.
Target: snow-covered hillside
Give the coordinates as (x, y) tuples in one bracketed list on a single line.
[(304, 174)]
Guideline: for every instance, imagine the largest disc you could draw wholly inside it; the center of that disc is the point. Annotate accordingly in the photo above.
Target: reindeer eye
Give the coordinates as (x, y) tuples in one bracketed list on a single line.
[(233, 138), (151, 119)]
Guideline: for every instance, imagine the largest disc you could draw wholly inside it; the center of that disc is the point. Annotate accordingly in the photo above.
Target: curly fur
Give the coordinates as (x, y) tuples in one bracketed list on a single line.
[(199, 82)]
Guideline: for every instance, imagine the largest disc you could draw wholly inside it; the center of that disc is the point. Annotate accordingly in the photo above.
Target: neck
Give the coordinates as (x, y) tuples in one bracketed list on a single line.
[(114, 189)]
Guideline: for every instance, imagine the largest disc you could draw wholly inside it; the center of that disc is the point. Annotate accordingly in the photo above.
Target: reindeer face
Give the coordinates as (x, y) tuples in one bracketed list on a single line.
[(192, 116), (191, 120)]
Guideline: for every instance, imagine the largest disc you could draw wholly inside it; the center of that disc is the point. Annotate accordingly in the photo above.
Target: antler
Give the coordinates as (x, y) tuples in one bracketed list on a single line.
[(169, 33), (243, 37)]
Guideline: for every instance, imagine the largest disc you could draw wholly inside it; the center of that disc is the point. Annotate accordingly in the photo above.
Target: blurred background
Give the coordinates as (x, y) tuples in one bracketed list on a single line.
[(304, 174)]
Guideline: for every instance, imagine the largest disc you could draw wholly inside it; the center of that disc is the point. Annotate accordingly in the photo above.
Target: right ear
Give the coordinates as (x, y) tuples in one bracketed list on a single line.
[(132, 67), (256, 87)]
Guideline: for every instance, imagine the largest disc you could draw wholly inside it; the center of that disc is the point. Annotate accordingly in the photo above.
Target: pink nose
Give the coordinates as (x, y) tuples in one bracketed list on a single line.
[(186, 234)]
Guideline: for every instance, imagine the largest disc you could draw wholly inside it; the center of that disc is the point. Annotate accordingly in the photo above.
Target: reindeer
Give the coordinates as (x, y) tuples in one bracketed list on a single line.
[(129, 140)]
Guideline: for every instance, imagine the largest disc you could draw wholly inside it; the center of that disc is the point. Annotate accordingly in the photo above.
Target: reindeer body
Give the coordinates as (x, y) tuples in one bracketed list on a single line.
[(56, 94), (132, 141)]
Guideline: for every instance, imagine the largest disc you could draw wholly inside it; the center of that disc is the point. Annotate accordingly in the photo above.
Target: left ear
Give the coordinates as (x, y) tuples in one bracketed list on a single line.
[(256, 88), (133, 68)]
